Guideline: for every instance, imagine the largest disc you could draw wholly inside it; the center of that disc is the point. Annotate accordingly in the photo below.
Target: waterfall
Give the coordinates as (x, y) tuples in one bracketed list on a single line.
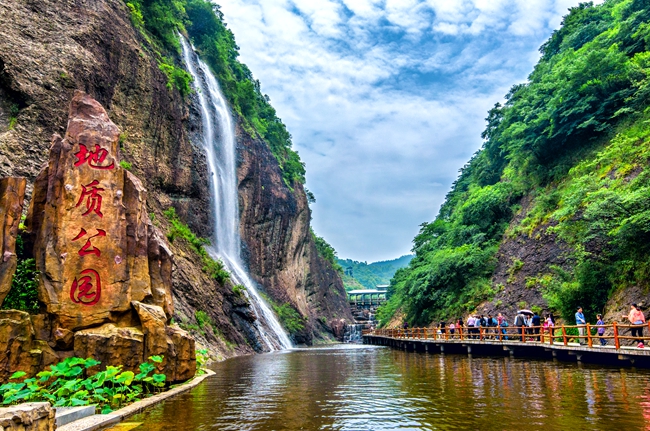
[(220, 146)]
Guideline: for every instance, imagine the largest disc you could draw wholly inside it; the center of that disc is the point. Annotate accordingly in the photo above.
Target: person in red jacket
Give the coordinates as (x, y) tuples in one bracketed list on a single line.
[(636, 318)]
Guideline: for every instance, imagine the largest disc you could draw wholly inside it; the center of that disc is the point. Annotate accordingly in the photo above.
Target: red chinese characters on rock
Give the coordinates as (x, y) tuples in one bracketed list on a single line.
[(88, 248), (87, 289), (93, 199), (93, 158)]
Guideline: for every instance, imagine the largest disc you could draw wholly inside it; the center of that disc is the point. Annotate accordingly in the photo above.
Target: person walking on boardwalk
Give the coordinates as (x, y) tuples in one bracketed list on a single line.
[(580, 320), (406, 329), (520, 324), (491, 323), (536, 322), (601, 329), (470, 326), (636, 317), (549, 324), (503, 325)]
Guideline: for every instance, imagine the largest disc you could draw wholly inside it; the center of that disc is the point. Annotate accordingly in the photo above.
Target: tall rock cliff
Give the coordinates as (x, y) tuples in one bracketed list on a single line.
[(49, 49), (279, 246)]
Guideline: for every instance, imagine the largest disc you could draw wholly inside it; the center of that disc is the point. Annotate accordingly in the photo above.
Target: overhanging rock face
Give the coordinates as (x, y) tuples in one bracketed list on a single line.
[(101, 261)]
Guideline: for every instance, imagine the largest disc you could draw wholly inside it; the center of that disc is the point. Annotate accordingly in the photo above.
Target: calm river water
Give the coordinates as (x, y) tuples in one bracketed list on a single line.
[(355, 387)]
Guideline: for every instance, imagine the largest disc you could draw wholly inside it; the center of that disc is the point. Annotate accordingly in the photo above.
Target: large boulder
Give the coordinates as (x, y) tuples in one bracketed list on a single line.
[(181, 357), (28, 417), (105, 270), (19, 350), (175, 345), (111, 345), (91, 229), (12, 196)]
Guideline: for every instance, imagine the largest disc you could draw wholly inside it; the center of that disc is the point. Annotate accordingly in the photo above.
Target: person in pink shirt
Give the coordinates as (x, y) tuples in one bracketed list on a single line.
[(636, 317)]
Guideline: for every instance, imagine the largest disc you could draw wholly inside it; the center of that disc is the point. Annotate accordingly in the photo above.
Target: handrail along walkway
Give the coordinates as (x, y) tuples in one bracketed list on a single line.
[(539, 334)]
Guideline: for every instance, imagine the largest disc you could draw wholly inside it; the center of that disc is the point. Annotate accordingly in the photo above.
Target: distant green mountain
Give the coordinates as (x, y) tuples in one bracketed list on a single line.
[(359, 275)]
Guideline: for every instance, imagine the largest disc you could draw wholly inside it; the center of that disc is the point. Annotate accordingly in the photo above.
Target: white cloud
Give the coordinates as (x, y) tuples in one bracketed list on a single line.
[(386, 99)]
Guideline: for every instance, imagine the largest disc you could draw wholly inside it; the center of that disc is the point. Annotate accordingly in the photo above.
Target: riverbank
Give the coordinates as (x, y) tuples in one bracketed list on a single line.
[(99, 421)]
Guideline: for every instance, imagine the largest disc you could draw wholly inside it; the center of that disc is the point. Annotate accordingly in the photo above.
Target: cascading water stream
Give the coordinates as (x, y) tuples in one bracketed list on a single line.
[(219, 143)]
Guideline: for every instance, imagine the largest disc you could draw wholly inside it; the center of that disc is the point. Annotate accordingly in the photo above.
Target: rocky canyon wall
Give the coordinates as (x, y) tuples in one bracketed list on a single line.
[(279, 246)]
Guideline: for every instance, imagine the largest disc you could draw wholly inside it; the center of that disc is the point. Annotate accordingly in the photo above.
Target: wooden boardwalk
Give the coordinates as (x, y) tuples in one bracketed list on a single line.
[(519, 343)]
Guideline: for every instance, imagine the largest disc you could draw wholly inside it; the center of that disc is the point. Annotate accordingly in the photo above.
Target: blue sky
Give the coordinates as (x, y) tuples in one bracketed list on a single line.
[(386, 99)]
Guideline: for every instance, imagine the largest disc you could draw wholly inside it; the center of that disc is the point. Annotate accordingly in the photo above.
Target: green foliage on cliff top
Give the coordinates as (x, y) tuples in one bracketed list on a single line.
[(203, 22), (551, 139), (325, 250)]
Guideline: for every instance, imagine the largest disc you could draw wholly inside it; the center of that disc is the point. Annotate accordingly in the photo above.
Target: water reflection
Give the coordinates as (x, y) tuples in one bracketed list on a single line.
[(374, 388)]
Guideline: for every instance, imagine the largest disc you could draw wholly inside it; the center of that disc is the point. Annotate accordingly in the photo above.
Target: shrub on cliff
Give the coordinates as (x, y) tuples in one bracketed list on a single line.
[(326, 251), (213, 267), (292, 321)]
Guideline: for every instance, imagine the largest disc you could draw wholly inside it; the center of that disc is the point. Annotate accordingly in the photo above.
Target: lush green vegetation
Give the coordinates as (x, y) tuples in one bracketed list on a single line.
[(359, 275), (351, 283), (213, 267), (326, 251), (69, 383), (289, 318), (575, 136), (162, 20), (13, 115), (23, 294), (202, 358)]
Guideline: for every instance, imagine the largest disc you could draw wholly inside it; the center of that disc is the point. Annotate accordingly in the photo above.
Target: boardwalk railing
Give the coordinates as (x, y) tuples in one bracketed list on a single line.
[(563, 334)]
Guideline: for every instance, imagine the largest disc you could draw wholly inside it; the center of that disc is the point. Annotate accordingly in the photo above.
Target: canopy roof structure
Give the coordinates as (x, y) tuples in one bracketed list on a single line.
[(367, 292)]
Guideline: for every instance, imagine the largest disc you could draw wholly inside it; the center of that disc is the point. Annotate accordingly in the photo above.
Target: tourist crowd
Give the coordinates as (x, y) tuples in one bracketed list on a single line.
[(529, 325)]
